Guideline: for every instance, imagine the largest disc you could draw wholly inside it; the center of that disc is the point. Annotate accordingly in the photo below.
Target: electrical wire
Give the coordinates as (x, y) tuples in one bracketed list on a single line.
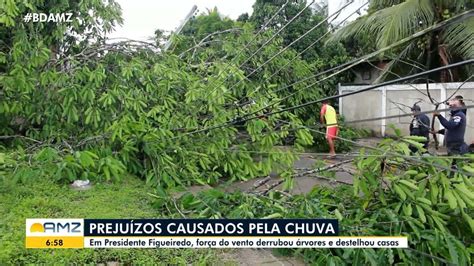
[(389, 153), (402, 115), (262, 29), (242, 120), (380, 85), (311, 45), (361, 90), (263, 45), (362, 59), (349, 154), (397, 75), (289, 45), (357, 61), (337, 96), (315, 42), (460, 86)]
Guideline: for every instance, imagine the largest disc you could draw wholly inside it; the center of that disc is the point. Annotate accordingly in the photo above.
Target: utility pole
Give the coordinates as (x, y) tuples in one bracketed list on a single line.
[(322, 6), (181, 26)]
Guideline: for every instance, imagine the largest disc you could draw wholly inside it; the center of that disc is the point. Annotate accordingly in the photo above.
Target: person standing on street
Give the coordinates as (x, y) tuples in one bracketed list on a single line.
[(455, 127), (329, 118), (419, 126)]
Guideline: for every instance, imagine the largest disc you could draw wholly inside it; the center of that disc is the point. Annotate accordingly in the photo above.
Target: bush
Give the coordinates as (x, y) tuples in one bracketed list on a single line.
[(49, 163)]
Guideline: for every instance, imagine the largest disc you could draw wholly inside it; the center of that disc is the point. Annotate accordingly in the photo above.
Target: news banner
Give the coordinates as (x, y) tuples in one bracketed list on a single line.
[(198, 233)]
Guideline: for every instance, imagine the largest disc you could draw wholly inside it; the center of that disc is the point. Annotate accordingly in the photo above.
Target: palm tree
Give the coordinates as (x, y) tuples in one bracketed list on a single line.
[(389, 21)]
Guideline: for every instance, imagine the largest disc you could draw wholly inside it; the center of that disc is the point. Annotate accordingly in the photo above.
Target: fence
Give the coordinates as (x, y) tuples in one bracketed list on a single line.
[(396, 100)]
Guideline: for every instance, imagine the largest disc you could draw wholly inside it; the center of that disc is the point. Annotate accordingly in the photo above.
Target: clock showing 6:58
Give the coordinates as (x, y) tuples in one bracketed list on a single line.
[(54, 243)]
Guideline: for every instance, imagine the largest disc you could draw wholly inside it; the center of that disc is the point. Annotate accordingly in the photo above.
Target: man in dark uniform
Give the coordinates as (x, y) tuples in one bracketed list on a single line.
[(455, 128), (419, 126)]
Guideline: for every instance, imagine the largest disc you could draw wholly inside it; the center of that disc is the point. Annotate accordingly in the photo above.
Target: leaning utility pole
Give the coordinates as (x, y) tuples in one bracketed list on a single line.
[(322, 6), (181, 26)]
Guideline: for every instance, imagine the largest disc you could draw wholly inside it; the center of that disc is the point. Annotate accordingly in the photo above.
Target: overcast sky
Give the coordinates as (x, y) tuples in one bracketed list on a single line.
[(143, 17)]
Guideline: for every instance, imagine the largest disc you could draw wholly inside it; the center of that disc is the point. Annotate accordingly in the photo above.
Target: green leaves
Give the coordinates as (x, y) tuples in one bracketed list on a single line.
[(460, 38), (139, 106), (391, 24), (86, 158), (93, 115), (400, 192), (421, 199), (408, 184), (421, 214), (304, 137), (273, 216), (8, 10), (415, 142), (448, 195), (400, 203)]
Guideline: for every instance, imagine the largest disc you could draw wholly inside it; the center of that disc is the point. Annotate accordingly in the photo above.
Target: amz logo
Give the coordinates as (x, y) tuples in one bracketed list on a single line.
[(56, 227)]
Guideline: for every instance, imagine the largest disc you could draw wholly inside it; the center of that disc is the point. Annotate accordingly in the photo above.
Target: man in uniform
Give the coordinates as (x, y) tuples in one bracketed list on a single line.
[(329, 118), (419, 126), (455, 128)]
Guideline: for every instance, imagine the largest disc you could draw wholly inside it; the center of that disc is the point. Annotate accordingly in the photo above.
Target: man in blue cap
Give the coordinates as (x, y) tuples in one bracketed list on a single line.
[(455, 127), (419, 126)]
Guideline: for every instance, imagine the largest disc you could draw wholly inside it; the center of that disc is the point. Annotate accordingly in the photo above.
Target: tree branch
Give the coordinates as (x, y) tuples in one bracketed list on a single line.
[(317, 170)]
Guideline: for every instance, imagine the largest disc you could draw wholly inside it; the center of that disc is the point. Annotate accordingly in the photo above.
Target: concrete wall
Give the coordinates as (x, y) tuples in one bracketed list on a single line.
[(397, 100)]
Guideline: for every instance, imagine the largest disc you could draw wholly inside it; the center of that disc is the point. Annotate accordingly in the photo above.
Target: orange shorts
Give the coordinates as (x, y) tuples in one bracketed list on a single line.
[(331, 132)]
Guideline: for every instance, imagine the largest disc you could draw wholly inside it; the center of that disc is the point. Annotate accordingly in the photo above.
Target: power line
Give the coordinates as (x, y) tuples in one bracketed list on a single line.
[(311, 45), (262, 29), (460, 86), (402, 115), (204, 42), (346, 122), (245, 119), (388, 152), (391, 72), (362, 59), (265, 44), (349, 65), (315, 42), (353, 154), (365, 89), (354, 62), (288, 46), (278, 32)]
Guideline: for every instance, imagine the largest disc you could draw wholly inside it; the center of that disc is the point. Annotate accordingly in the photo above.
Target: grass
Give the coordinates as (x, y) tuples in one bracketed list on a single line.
[(45, 199)]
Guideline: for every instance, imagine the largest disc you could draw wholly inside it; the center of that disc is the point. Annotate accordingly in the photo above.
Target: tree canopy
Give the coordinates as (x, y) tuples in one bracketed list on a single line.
[(391, 21), (101, 109), (264, 10)]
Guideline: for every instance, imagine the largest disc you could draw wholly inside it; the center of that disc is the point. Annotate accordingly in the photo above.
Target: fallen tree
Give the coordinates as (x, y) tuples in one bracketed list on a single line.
[(425, 200)]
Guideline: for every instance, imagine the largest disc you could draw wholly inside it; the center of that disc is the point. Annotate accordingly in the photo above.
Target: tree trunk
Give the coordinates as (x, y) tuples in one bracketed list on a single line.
[(446, 75)]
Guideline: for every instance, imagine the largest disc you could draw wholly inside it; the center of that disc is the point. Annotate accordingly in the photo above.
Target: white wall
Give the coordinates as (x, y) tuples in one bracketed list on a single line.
[(395, 99)]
